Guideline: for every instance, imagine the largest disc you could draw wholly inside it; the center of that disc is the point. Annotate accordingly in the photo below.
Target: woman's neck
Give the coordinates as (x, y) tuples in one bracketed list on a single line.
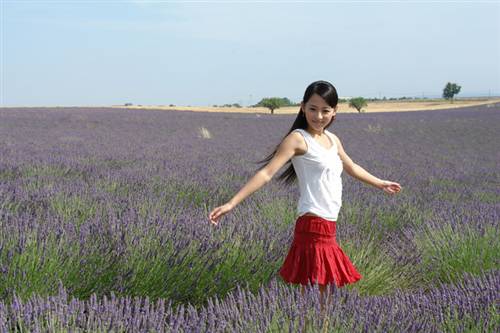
[(315, 132)]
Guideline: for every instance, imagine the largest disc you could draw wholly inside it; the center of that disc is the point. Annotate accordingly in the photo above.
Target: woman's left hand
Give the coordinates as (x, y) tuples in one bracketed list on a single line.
[(390, 187)]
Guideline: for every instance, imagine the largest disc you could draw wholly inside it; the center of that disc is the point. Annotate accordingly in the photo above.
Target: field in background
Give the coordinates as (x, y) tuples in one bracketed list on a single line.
[(385, 106), (104, 223)]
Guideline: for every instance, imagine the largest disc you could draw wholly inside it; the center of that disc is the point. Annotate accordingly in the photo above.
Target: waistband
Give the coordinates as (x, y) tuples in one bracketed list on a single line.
[(314, 217), (308, 238)]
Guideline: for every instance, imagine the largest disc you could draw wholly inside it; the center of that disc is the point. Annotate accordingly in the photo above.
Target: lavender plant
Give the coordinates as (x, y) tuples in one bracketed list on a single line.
[(104, 208), (470, 305)]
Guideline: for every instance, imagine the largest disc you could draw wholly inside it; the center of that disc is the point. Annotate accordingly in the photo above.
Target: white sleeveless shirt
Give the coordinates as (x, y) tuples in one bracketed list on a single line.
[(318, 173)]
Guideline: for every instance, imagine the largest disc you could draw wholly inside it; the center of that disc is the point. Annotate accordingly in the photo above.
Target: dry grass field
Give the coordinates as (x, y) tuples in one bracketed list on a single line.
[(382, 106)]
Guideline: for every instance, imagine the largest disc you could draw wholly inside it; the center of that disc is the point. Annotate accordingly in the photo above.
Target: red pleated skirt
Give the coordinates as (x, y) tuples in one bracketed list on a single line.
[(315, 257)]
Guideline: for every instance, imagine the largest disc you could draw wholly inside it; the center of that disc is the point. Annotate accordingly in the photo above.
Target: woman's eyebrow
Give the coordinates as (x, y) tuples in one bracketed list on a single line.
[(325, 107)]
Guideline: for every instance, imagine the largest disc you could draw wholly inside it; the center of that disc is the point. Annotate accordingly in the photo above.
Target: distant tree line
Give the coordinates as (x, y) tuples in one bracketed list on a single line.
[(273, 103), (234, 105)]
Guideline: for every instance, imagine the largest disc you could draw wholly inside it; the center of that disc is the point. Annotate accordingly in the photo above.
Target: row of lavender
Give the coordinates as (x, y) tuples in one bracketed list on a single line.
[(471, 305), (116, 201)]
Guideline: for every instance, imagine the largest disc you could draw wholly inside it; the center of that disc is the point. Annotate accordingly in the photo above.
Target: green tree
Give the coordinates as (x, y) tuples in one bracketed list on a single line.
[(271, 103), (450, 90), (358, 103)]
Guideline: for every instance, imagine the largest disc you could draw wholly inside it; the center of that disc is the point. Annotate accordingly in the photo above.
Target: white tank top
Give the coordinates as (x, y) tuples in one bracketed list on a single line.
[(318, 173)]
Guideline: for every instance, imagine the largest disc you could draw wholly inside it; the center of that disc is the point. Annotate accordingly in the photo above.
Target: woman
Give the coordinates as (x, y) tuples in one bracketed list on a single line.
[(317, 161)]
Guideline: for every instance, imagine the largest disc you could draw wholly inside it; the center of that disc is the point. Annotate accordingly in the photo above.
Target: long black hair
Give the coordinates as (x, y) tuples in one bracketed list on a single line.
[(328, 92)]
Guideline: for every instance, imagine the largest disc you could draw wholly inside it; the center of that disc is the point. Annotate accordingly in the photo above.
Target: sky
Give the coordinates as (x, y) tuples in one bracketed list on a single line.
[(203, 53)]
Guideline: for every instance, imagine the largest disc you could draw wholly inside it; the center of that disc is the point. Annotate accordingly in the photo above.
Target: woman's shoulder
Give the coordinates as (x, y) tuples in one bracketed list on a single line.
[(297, 130), (332, 135), (298, 140), (297, 133)]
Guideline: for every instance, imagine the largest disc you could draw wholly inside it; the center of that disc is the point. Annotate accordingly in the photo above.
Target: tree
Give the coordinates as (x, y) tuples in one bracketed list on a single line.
[(450, 90), (358, 103), (271, 103)]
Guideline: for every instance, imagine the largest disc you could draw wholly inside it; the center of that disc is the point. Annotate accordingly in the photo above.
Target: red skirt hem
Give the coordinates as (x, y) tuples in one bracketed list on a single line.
[(315, 257)]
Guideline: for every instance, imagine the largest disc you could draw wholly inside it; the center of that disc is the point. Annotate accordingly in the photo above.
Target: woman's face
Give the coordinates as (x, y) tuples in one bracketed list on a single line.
[(318, 113)]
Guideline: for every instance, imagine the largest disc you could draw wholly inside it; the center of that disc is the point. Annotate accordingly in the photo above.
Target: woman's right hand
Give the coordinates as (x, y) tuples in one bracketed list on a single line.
[(218, 212)]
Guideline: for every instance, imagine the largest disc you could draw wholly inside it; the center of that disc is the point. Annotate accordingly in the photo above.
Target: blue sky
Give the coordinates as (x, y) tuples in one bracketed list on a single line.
[(204, 53)]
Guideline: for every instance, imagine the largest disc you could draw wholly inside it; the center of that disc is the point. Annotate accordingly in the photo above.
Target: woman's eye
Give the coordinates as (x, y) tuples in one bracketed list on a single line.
[(314, 110)]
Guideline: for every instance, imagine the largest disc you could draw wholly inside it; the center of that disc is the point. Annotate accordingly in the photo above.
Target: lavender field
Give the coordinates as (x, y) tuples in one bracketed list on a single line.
[(104, 223)]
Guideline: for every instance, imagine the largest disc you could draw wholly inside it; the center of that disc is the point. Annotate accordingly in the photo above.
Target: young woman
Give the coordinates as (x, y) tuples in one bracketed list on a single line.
[(317, 161)]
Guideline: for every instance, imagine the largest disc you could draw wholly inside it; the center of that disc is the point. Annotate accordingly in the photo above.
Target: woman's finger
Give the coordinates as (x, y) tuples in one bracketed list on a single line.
[(213, 214)]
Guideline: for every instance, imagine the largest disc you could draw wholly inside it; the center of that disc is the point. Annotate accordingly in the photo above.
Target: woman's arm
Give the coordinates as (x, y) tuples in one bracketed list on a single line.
[(285, 151), (358, 172)]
